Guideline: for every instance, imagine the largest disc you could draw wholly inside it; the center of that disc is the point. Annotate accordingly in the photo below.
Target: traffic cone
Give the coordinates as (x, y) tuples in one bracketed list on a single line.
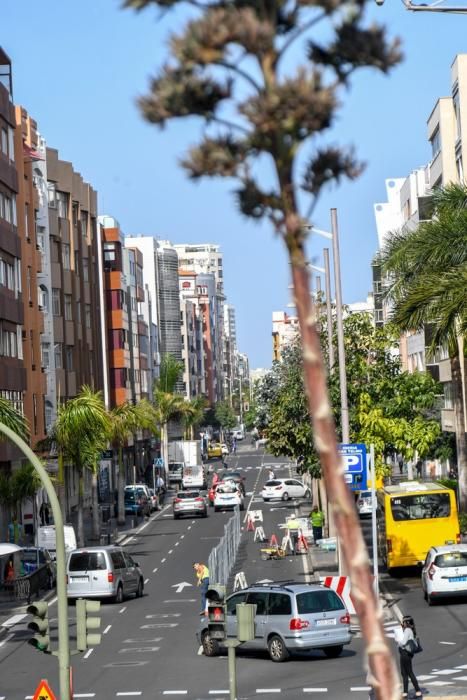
[(250, 527), (273, 542)]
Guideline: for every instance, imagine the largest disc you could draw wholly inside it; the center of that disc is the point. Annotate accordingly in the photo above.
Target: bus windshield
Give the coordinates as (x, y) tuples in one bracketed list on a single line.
[(421, 506)]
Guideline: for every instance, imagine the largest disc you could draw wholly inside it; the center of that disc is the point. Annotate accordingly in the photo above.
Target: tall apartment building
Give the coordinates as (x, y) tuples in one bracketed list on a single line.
[(284, 331), (207, 259), (194, 377), (13, 381), (168, 301), (34, 296), (230, 352)]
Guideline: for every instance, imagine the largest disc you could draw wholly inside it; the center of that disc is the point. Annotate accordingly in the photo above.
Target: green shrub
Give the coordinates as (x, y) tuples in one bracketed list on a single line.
[(463, 522), (449, 483)]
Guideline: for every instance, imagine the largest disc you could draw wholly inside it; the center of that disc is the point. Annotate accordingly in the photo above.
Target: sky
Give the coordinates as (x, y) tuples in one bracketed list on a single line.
[(78, 68)]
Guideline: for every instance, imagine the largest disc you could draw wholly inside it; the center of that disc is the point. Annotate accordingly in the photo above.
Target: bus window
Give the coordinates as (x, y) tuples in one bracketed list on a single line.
[(419, 507)]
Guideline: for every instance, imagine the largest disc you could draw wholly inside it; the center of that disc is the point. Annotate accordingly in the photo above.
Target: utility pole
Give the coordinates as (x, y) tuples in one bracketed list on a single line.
[(327, 278), (340, 328)]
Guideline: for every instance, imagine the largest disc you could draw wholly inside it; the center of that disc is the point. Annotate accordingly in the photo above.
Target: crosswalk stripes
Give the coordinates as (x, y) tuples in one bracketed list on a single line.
[(389, 628)]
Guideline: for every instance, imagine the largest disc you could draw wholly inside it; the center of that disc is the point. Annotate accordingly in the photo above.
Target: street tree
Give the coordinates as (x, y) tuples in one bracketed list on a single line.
[(426, 269), (233, 66), (82, 431), (225, 415), (193, 415), (22, 484), (13, 419), (168, 405), (125, 420)]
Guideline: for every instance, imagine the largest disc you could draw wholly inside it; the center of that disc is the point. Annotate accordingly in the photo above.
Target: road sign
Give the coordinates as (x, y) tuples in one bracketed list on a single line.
[(354, 457), (159, 462), (43, 691)]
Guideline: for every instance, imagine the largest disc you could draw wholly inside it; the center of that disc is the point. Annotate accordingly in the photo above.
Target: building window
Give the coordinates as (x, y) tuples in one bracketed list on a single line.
[(69, 357), (48, 412), (78, 311), (26, 220), (85, 270), (448, 397), (8, 343), (460, 168), (4, 142), (457, 115), (56, 308), (58, 355), (33, 354), (34, 412), (51, 193), (66, 259), (68, 302), (62, 204), (435, 143), (45, 355), (11, 143), (28, 284), (379, 317), (114, 299), (87, 315), (84, 224)]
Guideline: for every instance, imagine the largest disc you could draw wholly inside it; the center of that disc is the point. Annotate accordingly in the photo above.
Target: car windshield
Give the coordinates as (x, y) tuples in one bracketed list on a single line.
[(31, 555), (227, 488), (454, 559), (188, 494), (318, 601), (365, 494), (273, 482), (421, 506), (87, 561), (232, 475), (130, 496)]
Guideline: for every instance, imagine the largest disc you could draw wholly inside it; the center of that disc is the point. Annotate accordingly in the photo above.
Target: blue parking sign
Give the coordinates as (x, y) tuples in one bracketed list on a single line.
[(354, 457)]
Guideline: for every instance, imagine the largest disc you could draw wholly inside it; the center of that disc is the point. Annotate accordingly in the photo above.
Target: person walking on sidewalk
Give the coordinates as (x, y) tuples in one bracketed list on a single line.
[(317, 523), (403, 636), (202, 574)]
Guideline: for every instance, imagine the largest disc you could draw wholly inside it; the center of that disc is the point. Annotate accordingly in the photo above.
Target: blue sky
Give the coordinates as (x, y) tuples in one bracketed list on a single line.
[(78, 67)]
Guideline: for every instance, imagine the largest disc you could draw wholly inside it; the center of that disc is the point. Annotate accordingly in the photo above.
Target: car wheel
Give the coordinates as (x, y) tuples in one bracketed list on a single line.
[(266, 500), (205, 514), (285, 496), (333, 652), (176, 517), (118, 598), (140, 589), (210, 646), (277, 650)]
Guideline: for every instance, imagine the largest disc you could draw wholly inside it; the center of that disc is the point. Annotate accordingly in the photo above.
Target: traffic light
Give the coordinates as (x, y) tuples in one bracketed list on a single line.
[(39, 625), (217, 618), (85, 623)]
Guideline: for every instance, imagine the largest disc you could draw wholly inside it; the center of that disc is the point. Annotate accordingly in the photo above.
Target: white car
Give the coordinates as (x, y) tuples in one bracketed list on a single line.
[(225, 449), (228, 495), (364, 503), (444, 572), (284, 489)]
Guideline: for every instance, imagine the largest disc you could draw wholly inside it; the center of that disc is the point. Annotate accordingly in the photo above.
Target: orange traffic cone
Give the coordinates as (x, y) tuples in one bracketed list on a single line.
[(250, 526), (273, 542)]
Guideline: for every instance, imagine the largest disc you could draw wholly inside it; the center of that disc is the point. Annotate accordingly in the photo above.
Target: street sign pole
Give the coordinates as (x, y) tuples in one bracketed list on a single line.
[(373, 520)]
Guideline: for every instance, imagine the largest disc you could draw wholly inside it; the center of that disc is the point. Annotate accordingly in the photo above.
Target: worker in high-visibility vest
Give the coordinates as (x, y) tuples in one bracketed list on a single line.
[(293, 527), (202, 574), (317, 523)]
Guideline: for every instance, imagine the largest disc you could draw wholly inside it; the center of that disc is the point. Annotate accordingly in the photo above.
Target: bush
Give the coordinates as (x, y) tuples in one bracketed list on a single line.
[(463, 522), (449, 483)]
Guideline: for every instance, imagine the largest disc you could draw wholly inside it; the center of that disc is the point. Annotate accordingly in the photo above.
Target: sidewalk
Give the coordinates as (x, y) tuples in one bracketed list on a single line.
[(12, 612)]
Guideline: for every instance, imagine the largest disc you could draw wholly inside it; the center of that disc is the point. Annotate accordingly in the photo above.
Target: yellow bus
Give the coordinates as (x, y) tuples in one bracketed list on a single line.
[(412, 517)]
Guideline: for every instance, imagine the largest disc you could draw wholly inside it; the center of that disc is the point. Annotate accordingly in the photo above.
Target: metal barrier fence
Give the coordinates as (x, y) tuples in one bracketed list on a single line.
[(24, 587), (222, 557)]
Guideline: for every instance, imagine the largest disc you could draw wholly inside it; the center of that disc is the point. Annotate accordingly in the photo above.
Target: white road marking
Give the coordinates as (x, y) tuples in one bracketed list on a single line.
[(142, 527), (122, 610), (458, 678), (175, 692), (148, 617), (180, 586), (184, 600), (200, 650), (146, 580), (182, 537), (107, 629), (446, 672), (463, 666), (427, 678), (168, 515), (193, 522), (129, 692), (315, 690), (82, 695), (360, 688), (268, 690), (154, 570), (177, 543), (449, 643), (219, 692), (144, 640), (158, 625), (163, 560), (170, 551), (189, 527), (7, 639), (88, 653), (140, 650), (439, 683), (13, 620)]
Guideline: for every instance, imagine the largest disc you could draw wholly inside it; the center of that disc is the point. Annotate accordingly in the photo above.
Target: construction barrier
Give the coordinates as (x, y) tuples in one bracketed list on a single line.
[(341, 585)]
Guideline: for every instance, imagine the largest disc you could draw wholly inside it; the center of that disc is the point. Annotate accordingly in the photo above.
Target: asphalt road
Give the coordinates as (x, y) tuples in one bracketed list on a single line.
[(149, 648)]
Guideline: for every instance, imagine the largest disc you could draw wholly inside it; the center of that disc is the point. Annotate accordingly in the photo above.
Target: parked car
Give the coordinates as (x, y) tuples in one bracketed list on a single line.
[(32, 558), (141, 489), (284, 489), (289, 617), (136, 503), (444, 572), (103, 572), (228, 495), (189, 503), (225, 449), (175, 473), (364, 503)]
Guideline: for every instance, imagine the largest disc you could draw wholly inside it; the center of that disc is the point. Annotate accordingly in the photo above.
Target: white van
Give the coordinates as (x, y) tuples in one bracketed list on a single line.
[(46, 538), (194, 477)]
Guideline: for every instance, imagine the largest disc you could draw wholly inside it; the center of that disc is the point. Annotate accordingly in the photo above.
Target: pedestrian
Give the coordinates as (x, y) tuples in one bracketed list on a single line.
[(419, 467), (400, 462), (271, 474), (403, 637), (44, 513), (202, 574), (234, 446), (317, 523), (293, 528)]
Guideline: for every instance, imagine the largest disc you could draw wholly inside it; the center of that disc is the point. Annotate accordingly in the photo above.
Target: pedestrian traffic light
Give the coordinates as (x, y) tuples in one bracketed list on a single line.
[(39, 625), (217, 617), (85, 623)]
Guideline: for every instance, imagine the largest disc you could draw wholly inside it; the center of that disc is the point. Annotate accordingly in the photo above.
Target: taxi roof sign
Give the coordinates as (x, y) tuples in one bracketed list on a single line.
[(43, 691)]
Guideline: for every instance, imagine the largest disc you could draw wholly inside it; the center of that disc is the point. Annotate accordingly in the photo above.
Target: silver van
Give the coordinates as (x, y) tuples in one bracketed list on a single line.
[(290, 617), (103, 572)]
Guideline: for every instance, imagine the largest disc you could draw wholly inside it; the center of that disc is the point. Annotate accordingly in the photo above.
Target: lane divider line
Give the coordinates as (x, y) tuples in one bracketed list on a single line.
[(107, 629), (88, 653)]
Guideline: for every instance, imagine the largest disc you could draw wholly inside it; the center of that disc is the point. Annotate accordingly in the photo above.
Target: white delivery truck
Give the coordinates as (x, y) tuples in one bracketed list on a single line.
[(46, 538), (186, 451), (194, 477)]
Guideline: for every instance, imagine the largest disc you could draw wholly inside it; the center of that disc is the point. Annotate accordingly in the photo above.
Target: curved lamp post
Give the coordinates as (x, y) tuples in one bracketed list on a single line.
[(62, 606)]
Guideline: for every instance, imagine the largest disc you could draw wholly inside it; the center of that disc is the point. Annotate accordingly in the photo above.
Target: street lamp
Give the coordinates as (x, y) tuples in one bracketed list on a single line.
[(436, 6)]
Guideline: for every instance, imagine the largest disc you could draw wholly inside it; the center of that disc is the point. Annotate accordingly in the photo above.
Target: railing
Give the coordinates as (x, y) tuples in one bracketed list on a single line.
[(222, 557), (24, 587)]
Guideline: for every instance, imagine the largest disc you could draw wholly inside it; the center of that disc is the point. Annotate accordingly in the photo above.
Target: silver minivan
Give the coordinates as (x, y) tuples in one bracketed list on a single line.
[(289, 617), (103, 572)]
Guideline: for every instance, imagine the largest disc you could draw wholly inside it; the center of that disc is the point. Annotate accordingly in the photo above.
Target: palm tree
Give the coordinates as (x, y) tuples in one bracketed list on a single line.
[(82, 430), (427, 269), (193, 415), (13, 419), (125, 420), (23, 483)]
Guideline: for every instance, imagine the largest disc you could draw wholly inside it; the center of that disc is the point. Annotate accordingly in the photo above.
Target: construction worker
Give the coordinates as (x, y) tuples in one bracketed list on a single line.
[(293, 527), (202, 574), (317, 523)]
